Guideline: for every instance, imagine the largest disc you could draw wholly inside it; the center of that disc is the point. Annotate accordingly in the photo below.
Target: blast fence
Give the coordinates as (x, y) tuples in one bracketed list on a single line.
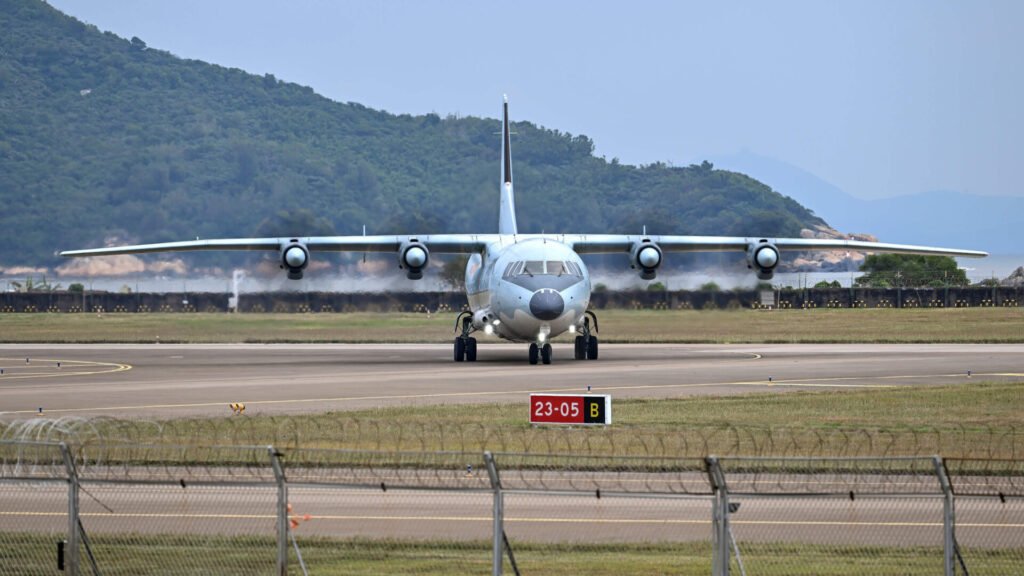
[(159, 509)]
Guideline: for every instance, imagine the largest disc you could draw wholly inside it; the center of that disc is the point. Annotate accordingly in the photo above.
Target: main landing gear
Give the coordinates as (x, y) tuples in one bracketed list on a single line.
[(465, 345), (586, 343)]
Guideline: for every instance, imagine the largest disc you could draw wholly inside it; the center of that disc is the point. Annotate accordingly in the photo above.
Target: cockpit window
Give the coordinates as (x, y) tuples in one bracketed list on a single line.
[(533, 267), (540, 267)]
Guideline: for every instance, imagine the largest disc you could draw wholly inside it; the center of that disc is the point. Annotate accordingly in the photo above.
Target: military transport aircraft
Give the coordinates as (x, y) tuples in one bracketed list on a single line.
[(525, 287)]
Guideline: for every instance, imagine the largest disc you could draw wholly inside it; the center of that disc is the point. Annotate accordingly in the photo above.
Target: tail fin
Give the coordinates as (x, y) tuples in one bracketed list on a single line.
[(507, 208)]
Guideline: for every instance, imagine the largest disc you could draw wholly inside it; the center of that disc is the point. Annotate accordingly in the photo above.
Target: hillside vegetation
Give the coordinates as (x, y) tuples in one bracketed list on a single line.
[(103, 138)]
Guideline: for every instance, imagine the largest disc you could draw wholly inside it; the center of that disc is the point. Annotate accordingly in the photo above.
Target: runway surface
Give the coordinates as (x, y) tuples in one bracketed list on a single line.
[(533, 517), (134, 381)]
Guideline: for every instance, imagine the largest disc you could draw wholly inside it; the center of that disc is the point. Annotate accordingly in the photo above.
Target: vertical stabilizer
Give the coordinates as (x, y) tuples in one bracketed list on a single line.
[(507, 208)]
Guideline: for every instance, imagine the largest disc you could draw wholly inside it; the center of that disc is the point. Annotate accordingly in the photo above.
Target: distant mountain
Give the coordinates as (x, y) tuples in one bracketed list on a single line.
[(107, 139), (938, 218)]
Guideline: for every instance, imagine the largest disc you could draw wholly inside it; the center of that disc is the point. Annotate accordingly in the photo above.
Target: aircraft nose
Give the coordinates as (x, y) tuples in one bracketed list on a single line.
[(546, 304)]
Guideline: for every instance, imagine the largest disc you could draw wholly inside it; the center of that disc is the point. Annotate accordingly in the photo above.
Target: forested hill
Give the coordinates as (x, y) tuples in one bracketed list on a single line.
[(103, 137)]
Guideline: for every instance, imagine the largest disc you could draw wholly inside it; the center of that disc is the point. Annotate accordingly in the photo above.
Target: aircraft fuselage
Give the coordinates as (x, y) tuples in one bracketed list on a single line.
[(527, 291)]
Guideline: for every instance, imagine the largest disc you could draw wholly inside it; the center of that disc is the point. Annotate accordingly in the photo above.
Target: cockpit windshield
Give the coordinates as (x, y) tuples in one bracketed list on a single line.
[(542, 267)]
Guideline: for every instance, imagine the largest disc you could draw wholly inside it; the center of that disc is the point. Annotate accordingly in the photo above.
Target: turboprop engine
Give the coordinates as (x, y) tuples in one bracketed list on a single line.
[(646, 256), (294, 258), (763, 257), (413, 257)]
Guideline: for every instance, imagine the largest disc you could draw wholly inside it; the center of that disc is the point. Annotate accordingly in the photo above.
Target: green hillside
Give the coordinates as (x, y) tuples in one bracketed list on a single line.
[(102, 137)]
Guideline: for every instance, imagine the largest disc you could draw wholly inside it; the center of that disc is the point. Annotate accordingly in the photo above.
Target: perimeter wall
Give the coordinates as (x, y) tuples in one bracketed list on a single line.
[(952, 297)]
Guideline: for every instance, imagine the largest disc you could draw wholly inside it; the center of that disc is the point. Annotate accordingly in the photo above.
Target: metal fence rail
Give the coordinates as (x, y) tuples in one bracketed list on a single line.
[(141, 509)]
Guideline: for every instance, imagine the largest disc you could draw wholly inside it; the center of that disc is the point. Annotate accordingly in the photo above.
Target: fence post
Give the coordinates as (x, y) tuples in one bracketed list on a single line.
[(719, 518), (499, 514), (71, 556), (282, 512), (948, 518)]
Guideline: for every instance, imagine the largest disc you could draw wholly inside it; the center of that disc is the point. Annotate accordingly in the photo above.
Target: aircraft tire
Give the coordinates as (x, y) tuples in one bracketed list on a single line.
[(545, 354), (471, 350), (592, 348), (533, 353), (460, 350), (579, 351)]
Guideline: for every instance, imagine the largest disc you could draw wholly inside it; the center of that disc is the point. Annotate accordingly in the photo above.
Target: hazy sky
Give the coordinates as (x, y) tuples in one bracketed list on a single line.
[(878, 97)]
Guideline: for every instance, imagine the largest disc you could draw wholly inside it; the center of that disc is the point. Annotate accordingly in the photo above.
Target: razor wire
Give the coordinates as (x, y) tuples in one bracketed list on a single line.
[(94, 435)]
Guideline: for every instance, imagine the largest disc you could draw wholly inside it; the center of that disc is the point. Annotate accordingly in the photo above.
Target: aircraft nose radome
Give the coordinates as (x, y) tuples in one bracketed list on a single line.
[(547, 304)]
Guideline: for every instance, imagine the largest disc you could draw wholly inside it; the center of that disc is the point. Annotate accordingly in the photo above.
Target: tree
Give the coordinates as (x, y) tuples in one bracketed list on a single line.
[(656, 287), (911, 271), (710, 287), (76, 287)]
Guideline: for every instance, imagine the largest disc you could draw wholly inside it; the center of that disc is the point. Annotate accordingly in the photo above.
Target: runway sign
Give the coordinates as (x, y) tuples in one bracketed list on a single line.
[(570, 409)]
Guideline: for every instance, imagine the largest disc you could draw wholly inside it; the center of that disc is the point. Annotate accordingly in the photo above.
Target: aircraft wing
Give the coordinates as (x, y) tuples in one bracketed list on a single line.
[(610, 243), (440, 243)]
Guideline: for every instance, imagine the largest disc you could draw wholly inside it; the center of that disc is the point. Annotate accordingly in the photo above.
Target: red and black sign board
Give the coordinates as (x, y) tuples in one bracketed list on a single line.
[(570, 409)]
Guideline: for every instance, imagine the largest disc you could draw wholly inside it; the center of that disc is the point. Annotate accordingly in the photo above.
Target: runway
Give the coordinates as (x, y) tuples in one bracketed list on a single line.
[(163, 381)]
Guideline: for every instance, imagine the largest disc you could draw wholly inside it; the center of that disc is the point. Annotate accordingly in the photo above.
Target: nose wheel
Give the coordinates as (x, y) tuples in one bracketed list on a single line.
[(541, 353)]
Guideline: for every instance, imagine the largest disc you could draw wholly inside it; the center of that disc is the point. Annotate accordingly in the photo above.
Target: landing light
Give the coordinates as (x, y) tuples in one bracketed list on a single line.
[(496, 321), (488, 329), (542, 337), (572, 328)]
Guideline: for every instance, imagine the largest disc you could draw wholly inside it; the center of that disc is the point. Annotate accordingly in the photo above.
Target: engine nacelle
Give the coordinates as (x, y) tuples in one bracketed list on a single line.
[(413, 257), (763, 257), (646, 256), (294, 258)]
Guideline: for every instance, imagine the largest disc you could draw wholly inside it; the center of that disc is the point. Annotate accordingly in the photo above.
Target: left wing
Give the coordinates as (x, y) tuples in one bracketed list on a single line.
[(763, 254), (413, 251), (609, 243)]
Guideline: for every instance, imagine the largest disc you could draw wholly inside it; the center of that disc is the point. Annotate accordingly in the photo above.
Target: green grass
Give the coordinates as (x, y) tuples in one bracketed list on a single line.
[(972, 419), (714, 326), (153, 554)]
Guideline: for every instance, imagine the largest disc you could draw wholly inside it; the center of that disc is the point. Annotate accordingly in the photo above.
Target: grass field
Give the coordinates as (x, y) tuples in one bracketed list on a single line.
[(137, 554), (954, 325), (973, 419)]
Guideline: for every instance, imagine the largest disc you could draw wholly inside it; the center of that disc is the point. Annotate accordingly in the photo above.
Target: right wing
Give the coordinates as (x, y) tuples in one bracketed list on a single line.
[(413, 251), (441, 243)]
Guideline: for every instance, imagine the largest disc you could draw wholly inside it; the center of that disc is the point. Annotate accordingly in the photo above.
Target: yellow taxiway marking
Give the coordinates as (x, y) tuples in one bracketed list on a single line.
[(514, 519), (826, 382), (67, 368)]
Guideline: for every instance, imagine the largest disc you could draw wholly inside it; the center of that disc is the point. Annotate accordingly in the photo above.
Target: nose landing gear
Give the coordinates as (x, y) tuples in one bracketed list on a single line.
[(586, 343), (465, 345), (543, 353)]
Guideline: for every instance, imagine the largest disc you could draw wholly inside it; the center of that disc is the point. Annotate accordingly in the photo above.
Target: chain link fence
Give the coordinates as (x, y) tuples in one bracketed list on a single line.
[(146, 509)]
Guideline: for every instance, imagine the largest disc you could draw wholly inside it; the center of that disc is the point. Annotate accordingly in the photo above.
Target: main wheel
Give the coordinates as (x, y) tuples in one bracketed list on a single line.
[(460, 350), (580, 349), (470, 349), (545, 354), (592, 348), (533, 353)]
